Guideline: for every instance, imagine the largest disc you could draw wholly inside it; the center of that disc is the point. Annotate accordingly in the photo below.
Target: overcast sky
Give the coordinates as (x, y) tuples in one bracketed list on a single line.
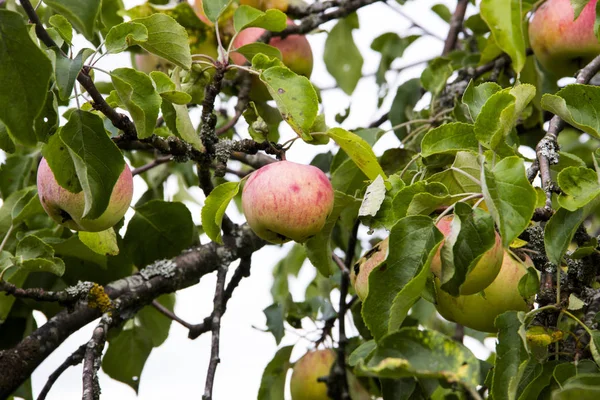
[(177, 369)]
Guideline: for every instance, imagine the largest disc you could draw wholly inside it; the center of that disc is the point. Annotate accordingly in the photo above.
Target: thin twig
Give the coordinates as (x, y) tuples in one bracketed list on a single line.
[(242, 103), (91, 360), (218, 302), (455, 26), (169, 314), (413, 22), (158, 161), (74, 359)]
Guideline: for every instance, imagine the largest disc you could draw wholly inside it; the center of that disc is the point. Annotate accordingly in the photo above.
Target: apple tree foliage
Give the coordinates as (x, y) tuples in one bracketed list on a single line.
[(473, 134)]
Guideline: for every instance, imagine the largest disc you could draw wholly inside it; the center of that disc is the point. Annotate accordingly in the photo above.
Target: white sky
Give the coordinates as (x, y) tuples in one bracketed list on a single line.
[(177, 369)]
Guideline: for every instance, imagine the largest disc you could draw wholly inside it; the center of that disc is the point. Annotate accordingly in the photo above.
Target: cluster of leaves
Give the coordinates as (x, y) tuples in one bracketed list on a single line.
[(462, 153)]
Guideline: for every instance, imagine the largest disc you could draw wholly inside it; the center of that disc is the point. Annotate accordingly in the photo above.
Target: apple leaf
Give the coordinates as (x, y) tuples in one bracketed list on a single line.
[(577, 105), (436, 74), (83, 15), (252, 49), (342, 57), (472, 235), (33, 255), (104, 242), (559, 231), (457, 182), (136, 91), (67, 70), (373, 199), (166, 39), (529, 283), (412, 244), (579, 186), (25, 72), (475, 97), (422, 353), (214, 8), (272, 384), (63, 27), (158, 229), (155, 324), (26, 207), (167, 89), (121, 36), (14, 173), (505, 20), (12, 275), (98, 162), (214, 209), (295, 97), (127, 354), (318, 247), (424, 192), (407, 96), (449, 139), (391, 46), (509, 197), (275, 316), (348, 178), (359, 151), (581, 387), (511, 355), (246, 17)]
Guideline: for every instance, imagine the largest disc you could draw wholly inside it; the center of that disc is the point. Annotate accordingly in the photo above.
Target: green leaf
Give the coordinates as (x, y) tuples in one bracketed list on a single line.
[(26, 207), (98, 162), (359, 151), (342, 58), (154, 323), (295, 97), (136, 91), (25, 72), (272, 384), (252, 49), (511, 355), (505, 20), (419, 190), (436, 74), (167, 39), (33, 255), (318, 247), (442, 11), (15, 174), (581, 387), (577, 105), (167, 89), (67, 70), (257, 127), (509, 197), (214, 209), (422, 353), (373, 199), (559, 231), (121, 36), (274, 314), (449, 139), (412, 244), (391, 46), (158, 229), (63, 27), (126, 355), (579, 186), (529, 284), (456, 182), (246, 17), (214, 8), (475, 97), (472, 235), (83, 15), (407, 96), (104, 242), (542, 376)]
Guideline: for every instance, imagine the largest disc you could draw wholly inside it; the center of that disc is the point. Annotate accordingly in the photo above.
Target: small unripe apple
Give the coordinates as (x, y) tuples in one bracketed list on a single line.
[(286, 201), (484, 272), (295, 50), (359, 275), (563, 45), (478, 311), (317, 364), (66, 207)]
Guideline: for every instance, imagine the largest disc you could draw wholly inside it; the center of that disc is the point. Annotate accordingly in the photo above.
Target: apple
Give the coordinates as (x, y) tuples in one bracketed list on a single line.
[(66, 207), (359, 274), (478, 311), (295, 50), (563, 45), (484, 272), (316, 364), (286, 201)]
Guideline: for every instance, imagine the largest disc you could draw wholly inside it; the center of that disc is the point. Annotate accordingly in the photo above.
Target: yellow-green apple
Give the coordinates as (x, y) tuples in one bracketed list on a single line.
[(295, 50), (316, 364), (67, 208), (483, 273), (359, 275), (478, 311), (560, 43), (286, 201)]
